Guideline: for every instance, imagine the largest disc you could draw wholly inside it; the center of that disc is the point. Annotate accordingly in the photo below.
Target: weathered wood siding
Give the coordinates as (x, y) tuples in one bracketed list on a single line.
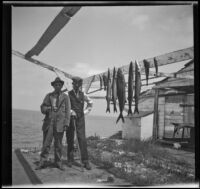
[(146, 104), (161, 110), (173, 113), (189, 109)]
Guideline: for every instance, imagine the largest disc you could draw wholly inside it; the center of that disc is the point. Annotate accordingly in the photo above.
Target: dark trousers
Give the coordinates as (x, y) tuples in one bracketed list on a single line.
[(80, 128), (48, 136)]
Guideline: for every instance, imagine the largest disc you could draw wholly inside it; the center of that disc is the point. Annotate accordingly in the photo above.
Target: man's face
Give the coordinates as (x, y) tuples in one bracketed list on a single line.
[(76, 86), (57, 87)]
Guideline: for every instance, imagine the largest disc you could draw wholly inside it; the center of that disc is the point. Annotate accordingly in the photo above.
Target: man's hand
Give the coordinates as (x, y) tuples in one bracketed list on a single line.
[(73, 113), (87, 110), (48, 108)]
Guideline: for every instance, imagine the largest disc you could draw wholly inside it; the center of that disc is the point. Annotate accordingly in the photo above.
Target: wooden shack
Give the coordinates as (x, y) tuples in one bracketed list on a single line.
[(172, 101), (174, 106)]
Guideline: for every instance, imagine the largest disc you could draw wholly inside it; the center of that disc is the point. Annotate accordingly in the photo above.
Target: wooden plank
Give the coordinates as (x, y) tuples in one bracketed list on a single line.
[(42, 64), (173, 75), (56, 25), (175, 83), (169, 58), (155, 117), (31, 174)]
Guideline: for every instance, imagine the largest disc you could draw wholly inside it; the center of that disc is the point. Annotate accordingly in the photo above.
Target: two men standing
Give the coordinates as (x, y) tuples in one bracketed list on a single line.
[(60, 110)]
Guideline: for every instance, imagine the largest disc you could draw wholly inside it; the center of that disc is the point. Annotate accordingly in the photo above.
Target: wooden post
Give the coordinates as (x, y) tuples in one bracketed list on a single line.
[(155, 117)]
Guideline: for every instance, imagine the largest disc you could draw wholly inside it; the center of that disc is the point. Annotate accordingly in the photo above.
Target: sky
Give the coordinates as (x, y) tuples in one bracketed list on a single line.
[(96, 37)]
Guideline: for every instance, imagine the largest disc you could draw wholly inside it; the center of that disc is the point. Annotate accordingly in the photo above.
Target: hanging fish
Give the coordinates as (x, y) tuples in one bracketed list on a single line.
[(146, 67), (121, 93), (105, 81), (138, 85), (130, 88), (114, 90), (101, 82), (108, 92), (156, 66)]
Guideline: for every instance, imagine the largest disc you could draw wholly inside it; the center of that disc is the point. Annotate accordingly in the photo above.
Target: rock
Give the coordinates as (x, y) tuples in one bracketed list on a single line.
[(176, 145), (110, 178), (24, 150), (121, 152)]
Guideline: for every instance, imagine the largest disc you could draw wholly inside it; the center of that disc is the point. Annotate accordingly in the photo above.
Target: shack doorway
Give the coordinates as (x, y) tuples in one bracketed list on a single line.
[(173, 113)]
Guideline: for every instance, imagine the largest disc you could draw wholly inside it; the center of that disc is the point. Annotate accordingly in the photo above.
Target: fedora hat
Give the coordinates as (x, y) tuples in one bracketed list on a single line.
[(57, 80), (77, 80)]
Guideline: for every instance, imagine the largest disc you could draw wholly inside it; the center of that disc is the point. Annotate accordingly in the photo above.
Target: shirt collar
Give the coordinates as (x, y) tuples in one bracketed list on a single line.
[(54, 93)]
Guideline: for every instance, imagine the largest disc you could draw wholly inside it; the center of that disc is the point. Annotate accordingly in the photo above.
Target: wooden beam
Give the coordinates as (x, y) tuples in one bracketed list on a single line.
[(175, 83), (39, 63), (168, 58), (173, 75), (56, 25), (155, 117)]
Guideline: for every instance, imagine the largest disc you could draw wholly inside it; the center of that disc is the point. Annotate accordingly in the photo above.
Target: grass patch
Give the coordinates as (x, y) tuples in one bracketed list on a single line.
[(147, 156), (146, 147)]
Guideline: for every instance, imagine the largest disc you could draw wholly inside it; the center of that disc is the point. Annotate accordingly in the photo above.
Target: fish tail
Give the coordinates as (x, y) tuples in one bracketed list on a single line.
[(108, 110), (115, 108), (136, 110), (120, 116), (130, 112)]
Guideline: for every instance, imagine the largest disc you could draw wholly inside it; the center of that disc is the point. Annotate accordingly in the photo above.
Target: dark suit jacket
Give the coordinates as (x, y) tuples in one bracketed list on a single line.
[(61, 117)]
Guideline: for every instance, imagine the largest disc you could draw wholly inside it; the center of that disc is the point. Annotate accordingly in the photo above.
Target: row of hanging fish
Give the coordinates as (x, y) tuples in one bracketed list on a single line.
[(116, 87), (115, 90), (131, 86), (146, 67)]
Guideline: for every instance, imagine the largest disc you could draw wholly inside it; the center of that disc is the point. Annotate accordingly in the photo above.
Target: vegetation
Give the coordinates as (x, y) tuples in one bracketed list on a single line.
[(140, 162)]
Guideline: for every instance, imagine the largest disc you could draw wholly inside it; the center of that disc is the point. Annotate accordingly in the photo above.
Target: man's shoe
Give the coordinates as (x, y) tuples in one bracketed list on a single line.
[(87, 166), (60, 166), (40, 166)]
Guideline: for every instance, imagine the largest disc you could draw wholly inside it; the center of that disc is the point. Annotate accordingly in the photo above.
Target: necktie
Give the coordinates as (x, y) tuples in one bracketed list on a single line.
[(57, 100)]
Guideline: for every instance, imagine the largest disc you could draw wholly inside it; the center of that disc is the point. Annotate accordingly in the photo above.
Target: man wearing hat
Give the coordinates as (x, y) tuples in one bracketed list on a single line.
[(57, 109), (77, 98)]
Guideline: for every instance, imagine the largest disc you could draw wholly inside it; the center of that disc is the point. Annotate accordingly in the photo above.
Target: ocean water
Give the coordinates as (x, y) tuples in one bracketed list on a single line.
[(27, 127)]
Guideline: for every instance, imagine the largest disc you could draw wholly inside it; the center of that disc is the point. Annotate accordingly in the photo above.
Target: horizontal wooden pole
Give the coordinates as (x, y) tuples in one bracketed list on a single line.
[(165, 59), (42, 64)]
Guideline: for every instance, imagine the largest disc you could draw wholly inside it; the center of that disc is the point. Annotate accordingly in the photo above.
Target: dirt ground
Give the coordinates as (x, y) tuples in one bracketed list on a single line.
[(74, 176), (189, 157), (71, 176)]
